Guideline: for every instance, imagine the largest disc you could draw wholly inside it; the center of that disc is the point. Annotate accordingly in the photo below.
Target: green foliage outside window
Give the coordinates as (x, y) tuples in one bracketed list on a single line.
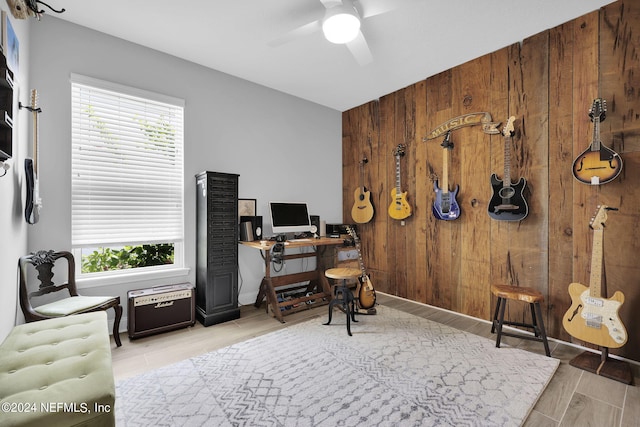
[(109, 259)]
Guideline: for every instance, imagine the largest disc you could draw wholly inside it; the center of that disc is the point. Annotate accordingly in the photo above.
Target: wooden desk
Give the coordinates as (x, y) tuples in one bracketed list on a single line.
[(318, 290)]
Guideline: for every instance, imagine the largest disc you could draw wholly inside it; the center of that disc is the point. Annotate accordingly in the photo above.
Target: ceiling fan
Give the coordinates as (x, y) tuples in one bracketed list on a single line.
[(341, 25)]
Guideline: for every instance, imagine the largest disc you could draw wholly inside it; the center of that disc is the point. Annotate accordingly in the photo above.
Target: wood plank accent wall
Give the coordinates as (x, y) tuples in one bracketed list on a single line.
[(548, 82)]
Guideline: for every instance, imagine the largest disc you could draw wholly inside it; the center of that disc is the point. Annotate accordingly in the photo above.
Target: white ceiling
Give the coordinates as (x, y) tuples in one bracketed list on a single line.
[(418, 39)]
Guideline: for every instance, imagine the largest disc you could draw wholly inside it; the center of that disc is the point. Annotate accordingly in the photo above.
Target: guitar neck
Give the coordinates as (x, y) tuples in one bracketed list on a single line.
[(356, 240), (595, 144), (362, 269), (445, 170), (507, 162), (34, 111), (595, 278), (398, 188)]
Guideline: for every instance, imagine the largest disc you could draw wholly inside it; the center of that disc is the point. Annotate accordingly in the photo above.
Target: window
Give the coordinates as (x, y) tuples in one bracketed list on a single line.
[(127, 178)]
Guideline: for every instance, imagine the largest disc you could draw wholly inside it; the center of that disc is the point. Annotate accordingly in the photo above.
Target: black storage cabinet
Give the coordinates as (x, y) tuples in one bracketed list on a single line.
[(217, 247)]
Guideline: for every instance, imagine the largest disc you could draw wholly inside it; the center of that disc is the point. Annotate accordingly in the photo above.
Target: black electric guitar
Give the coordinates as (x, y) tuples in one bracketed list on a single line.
[(399, 207), (597, 164), (507, 202), (366, 293), (362, 210), (592, 316), (445, 206), (34, 204)]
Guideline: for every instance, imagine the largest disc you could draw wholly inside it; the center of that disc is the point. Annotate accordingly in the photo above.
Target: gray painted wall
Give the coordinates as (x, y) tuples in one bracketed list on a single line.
[(283, 148), (13, 228)]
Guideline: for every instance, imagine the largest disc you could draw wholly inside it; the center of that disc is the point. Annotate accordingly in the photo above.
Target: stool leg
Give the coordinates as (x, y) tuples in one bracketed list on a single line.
[(543, 334), (352, 303), (536, 330), (495, 316), (333, 302), (347, 310), (503, 303), (353, 310), (347, 300)]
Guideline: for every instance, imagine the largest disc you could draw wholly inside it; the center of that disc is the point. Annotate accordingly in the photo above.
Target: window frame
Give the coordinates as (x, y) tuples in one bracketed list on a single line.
[(140, 273)]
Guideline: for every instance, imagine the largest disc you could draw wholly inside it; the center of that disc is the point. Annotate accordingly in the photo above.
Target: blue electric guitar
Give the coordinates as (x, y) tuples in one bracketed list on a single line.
[(445, 206), (508, 202)]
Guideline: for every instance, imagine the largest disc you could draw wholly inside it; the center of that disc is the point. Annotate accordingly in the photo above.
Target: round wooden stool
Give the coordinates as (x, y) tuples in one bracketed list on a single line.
[(342, 294), (528, 295)]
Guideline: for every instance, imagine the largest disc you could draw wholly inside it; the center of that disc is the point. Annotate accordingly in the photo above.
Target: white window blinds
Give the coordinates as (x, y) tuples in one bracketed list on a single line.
[(127, 165)]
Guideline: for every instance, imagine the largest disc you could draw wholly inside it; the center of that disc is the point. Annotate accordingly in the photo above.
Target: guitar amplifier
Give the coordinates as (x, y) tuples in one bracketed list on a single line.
[(160, 309)]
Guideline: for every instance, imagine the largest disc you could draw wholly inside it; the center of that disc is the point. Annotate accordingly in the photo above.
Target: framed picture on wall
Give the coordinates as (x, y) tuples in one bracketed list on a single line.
[(246, 207), (3, 32), (12, 46)]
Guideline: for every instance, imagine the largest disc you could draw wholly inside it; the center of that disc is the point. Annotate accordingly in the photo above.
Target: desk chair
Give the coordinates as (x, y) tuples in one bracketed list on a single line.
[(43, 262)]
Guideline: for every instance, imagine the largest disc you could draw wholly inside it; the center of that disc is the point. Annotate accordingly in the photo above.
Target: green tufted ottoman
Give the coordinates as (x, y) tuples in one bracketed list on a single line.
[(57, 372)]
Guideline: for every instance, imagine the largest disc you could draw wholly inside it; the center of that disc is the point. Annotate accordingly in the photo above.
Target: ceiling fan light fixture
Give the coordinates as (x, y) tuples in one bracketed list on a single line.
[(341, 26)]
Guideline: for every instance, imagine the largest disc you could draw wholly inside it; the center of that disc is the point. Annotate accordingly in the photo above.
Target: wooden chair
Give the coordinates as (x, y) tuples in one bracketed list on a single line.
[(342, 294), (43, 262), (528, 295)]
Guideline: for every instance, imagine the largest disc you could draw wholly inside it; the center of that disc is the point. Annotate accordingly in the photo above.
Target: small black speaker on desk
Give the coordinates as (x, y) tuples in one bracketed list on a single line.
[(256, 225), (315, 221)]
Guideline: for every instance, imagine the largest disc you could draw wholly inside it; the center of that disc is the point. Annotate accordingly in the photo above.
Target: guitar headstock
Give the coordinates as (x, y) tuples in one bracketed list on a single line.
[(399, 150), (352, 233), (598, 109), (447, 143), (34, 99), (599, 218), (508, 129)]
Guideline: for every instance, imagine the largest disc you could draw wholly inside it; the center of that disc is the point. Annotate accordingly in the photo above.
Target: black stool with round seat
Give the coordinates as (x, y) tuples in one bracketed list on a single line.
[(342, 294)]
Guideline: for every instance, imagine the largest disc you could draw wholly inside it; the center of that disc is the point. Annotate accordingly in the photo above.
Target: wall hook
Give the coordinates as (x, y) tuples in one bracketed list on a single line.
[(22, 9), (26, 107)]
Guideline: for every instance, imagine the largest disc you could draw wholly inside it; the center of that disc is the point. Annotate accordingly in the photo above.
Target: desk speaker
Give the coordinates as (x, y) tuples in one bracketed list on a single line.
[(256, 225), (160, 309), (315, 220), (336, 230)]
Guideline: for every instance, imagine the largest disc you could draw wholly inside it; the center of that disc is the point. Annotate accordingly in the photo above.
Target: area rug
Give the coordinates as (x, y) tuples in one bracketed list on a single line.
[(396, 370)]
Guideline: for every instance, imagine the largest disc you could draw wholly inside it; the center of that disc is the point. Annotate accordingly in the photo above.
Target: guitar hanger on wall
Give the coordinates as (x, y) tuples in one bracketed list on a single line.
[(22, 9)]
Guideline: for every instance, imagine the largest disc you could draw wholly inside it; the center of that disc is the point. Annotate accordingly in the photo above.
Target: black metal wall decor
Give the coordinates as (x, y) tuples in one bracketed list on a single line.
[(22, 9)]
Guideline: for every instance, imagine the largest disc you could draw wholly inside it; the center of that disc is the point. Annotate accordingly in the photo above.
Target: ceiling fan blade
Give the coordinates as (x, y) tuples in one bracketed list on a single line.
[(302, 31), (371, 8), (330, 3), (360, 50)]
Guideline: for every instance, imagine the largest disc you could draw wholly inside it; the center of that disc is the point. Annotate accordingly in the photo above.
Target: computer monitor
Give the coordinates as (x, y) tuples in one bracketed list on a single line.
[(289, 217)]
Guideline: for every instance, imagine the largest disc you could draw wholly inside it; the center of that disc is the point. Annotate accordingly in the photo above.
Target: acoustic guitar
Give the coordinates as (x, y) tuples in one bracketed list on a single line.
[(34, 203), (362, 210), (399, 207), (592, 317), (366, 292), (445, 206), (597, 164), (508, 202)]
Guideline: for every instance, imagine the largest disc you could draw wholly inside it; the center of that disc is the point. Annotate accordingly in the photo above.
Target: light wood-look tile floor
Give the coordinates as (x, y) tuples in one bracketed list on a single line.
[(573, 397)]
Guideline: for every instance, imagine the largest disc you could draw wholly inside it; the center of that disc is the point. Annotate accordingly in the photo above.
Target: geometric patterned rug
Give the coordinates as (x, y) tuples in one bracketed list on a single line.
[(396, 370)]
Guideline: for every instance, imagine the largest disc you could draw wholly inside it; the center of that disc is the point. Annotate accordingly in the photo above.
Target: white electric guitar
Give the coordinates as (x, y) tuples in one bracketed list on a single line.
[(592, 317)]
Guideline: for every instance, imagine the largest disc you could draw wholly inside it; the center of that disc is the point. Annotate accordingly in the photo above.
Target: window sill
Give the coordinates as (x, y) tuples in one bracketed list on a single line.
[(119, 279)]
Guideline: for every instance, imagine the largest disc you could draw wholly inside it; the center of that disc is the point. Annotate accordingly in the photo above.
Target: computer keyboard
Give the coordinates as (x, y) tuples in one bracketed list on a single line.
[(299, 240)]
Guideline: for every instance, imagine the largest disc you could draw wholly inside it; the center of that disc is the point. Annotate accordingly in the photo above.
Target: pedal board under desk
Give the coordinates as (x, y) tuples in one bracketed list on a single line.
[(160, 309)]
